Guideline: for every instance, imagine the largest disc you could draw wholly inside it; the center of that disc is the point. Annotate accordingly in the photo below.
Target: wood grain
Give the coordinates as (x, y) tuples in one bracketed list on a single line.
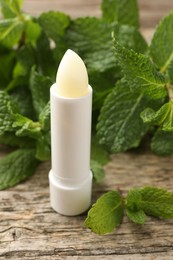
[(30, 229), (150, 11)]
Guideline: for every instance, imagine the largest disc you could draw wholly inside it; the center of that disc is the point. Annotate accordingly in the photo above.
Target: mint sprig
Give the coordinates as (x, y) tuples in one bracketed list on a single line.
[(107, 213)]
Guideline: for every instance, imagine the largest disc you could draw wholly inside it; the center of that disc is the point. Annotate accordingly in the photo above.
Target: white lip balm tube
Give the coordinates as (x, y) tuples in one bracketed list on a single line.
[(70, 178)]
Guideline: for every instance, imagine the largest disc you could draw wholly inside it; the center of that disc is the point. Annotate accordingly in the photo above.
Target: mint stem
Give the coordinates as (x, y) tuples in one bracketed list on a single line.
[(170, 91)]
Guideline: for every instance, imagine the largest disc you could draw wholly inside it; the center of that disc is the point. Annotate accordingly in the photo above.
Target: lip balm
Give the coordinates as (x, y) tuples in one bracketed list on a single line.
[(70, 178)]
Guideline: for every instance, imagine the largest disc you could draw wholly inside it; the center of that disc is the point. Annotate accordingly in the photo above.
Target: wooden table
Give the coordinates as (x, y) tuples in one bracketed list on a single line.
[(30, 229)]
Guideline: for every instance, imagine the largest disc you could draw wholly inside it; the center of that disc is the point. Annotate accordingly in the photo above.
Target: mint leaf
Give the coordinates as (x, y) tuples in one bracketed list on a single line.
[(120, 126), (43, 148), (44, 117), (54, 25), (9, 138), (11, 8), (137, 217), (6, 67), (40, 87), (10, 31), (133, 211), (132, 200), (121, 11), (106, 214), (162, 142), (98, 153), (130, 38), (25, 61), (90, 37), (15, 5), (22, 97), (32, 31), (152, 201), (140, 72), (97, 171), (163, 117), (46, 62), (6, 113), (161, 48), (16, 167), (102, 84), (99, 157), (5, 10), (157, 202)]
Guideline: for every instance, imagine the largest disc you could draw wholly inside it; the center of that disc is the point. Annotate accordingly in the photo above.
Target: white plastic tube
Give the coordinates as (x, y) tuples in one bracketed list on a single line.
[(70, 177)]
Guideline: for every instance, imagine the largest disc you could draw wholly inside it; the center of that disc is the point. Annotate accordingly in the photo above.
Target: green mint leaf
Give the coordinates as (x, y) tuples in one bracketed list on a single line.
[(43, 148), (10, 31), (121, 11), (17, 82), (22, 97), (106, 214), (162, 142), (40, 88), (130, 38), (161, 48), (97, 171), (132, 200), (16, 167), (44, 117), (163, 117), (90, 37), (46, 62), (6, 113), (120, 126), (25, 61), (157, 202), (140, 72), (133, 212), (137, 217), (26, 127), (6, 11), (54, 25), (6, 67), (10, 8), (15, 5), (102, 84), (32, 31), (98, 153), (10, 139)]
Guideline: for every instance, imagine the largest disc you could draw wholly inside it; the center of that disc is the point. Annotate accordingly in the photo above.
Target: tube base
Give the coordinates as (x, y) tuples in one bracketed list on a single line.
[(70, 200)]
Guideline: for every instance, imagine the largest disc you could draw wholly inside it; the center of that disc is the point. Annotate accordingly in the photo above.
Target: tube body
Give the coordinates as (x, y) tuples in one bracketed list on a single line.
[(70, 177)]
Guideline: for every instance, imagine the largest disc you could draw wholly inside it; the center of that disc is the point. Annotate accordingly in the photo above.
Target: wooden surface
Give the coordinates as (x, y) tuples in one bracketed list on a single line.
[(151, 10), (29, 229)]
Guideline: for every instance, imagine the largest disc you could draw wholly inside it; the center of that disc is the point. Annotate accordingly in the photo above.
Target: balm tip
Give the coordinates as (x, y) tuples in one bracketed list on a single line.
[(72, 77)]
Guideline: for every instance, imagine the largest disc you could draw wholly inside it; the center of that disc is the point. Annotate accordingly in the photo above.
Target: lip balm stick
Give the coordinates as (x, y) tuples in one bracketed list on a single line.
[(71, 104)]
